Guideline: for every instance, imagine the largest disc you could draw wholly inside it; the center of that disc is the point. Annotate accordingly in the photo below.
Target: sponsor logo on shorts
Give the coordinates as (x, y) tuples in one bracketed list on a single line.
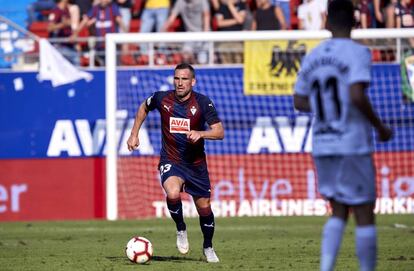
[(179, 125)]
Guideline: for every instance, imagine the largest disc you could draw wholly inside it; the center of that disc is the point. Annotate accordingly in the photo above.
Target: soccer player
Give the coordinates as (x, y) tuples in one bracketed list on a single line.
[(183, 166), (332, 84)]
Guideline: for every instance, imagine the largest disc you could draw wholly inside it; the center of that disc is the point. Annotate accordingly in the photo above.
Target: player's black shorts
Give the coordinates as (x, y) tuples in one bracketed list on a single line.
[(197, 182)]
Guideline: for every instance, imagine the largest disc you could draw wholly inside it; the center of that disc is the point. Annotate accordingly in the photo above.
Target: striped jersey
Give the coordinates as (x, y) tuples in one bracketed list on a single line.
[(177, 118)]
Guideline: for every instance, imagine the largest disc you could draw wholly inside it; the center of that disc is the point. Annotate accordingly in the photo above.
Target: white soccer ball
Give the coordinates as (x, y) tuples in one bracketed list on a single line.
[(139, 250)]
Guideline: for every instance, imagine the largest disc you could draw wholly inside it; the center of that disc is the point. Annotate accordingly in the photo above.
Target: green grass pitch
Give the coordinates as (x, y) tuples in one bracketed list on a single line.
[(259, 243)]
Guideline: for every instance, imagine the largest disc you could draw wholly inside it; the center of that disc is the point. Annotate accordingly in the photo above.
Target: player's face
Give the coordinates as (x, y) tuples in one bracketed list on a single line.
[(183, 82)]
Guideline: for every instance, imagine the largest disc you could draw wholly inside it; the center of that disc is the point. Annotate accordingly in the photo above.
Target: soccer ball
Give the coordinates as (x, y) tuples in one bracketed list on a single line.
[(139, 250)]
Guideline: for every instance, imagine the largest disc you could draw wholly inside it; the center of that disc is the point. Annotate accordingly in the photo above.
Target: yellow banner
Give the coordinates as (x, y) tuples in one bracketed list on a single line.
[(270, 67)]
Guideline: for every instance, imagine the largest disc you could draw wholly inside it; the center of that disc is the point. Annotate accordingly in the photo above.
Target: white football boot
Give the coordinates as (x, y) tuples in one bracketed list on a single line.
[(182, 242), (210, 255)]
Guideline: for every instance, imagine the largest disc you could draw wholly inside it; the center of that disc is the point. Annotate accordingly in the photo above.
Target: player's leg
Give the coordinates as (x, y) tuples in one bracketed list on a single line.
[(332, 235), (207, 225), (172, 187), (329, 170), (365, 236), (359, 192)]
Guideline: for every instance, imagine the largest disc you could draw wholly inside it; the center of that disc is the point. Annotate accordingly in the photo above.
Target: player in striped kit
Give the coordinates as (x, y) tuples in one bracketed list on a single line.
[(331, 84), (183, 166)]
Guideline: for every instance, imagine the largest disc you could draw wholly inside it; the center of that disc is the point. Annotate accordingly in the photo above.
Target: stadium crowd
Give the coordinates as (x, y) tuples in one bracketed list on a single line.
[(94, 18)]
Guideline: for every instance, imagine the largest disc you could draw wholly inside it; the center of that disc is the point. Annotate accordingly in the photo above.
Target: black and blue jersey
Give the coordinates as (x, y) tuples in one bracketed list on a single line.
[(179, 117)]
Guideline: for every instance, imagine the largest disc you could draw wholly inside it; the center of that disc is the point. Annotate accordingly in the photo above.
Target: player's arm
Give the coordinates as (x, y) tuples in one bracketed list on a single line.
[(361, 101), (133, 140), (301, 103), (216, 132)]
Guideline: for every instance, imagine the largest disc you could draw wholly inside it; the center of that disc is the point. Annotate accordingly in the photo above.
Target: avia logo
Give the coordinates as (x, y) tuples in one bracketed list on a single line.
[(281, 135), (80, 137), (288, 60), (179, 125)]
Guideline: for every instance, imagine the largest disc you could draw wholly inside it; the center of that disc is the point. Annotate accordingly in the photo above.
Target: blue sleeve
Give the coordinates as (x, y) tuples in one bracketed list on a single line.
[(361, 68), (209, 111), (152, 101)]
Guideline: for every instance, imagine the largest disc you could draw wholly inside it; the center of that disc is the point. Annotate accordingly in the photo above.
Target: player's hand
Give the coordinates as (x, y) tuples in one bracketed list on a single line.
[(384, 133), (193, 136), (133, 142)]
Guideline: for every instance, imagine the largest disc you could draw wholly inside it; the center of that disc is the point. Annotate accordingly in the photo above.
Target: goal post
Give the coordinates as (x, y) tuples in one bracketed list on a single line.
[(114, 136)]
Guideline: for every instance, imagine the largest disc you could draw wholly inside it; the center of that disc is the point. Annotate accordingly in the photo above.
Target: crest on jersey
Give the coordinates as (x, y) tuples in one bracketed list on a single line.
[(179, 125), (193, 110)]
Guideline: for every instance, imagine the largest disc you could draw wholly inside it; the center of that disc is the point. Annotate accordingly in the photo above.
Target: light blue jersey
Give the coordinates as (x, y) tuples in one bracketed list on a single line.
[(326, 75)]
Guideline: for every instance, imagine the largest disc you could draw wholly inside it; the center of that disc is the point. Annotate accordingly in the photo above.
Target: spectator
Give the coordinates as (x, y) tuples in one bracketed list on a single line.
[(384, 13), (103, 18), (85, 5), (125, 10), (367, 16), (74, 14), (282, 13), (311, 15), (230, 17), (194, 13), (248, 19), (196, 18), (265, 17), (404, 14), (34, 10), (155, 14), (357, 13), (60, 27), (404, 17)]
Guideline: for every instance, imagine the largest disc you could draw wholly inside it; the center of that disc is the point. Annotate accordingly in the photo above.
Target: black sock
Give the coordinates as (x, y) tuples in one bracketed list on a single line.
[(207, 226), (176, 211)]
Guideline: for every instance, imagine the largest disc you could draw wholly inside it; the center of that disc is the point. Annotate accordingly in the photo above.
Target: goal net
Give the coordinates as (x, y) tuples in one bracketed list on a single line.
[(263, 167)]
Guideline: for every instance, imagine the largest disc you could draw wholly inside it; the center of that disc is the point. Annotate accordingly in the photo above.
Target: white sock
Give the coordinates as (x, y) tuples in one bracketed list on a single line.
[(331, 242), (366, 246)]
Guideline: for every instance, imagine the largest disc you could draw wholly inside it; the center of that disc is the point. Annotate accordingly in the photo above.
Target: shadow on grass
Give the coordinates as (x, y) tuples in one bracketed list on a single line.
[(118, 259)]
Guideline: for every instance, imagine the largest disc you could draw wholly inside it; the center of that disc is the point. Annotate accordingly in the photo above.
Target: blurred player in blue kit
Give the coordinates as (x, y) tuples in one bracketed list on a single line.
[(332, 84), (183, 166)]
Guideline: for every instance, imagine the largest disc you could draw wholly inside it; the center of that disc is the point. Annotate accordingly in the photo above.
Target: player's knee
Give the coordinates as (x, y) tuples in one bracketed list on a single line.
[(202, 204), (173, 193), (204, 211)]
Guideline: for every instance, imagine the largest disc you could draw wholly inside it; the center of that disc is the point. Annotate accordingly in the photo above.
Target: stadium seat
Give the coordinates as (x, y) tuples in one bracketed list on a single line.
[(39, 29), (134, 25), (175, 26), (376, 55)]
